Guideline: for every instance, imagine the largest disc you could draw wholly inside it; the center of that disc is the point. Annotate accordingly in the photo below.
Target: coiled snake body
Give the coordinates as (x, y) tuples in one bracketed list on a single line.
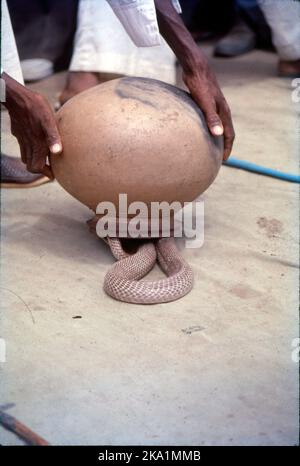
[(123, 280)]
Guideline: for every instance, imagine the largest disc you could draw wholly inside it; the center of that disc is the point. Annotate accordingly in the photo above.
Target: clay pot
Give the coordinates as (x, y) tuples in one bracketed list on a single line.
[(136, 136)]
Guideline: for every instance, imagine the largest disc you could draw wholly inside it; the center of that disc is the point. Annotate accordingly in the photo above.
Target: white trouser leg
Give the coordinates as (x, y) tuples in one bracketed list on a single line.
[(283, 17)]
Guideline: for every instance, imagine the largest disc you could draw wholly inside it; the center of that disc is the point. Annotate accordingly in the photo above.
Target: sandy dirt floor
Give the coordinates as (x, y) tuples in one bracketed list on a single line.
[(214, 368)]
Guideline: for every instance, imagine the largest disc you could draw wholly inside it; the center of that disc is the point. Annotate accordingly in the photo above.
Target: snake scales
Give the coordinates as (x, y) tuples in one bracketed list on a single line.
[(124, 280)]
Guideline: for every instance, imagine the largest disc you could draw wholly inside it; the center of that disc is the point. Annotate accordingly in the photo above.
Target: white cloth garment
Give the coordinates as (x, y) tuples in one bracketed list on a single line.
[(283, 17), (139, 19), (10, 62), (137, 16), (102, 45)]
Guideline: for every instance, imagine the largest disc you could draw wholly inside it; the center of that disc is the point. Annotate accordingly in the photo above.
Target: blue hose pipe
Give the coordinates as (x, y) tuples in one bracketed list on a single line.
[(252, 167)]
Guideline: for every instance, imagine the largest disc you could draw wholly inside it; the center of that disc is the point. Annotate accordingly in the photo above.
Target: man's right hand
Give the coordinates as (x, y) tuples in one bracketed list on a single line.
[(197, 74), (33, 124), (205, 90)]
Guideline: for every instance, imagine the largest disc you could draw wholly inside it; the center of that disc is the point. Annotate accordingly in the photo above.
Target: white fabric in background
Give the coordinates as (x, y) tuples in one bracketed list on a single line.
[(283, 17), (139, 19), (102, 45), (10, 62)]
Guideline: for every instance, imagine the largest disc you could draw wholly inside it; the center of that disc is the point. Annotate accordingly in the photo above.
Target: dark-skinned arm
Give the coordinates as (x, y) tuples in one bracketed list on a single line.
[(197, 74), (33, 124)]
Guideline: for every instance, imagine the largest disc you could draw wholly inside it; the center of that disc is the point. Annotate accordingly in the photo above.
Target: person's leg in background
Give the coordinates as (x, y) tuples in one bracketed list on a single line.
[(250, 30), (206, 19), (252, 15), (283, 18), (44, 32), (103, 51)]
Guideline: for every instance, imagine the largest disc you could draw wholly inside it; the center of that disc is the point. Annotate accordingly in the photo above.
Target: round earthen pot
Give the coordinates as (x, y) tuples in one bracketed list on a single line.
[(136, 136)]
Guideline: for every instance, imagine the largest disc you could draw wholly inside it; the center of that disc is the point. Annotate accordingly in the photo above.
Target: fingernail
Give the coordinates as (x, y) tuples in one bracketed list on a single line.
[(217, 130), (55, 148)]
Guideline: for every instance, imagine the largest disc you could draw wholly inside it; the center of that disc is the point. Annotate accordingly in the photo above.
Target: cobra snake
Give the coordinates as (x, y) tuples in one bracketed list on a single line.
[(124, 281)]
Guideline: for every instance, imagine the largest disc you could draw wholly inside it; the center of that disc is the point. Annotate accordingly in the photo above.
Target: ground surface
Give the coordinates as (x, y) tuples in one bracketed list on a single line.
[(214, 368)]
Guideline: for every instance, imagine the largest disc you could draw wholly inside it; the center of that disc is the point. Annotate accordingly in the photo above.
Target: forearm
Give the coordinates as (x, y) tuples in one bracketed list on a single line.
[(197, 74), (178, 37)]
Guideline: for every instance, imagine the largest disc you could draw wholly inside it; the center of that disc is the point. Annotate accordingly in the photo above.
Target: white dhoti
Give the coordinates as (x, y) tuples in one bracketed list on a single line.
[(102, 45)]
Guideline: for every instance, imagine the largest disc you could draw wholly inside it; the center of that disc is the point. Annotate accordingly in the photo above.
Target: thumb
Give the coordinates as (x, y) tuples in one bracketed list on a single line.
[(213, 120), (56, 148), (52, 136)]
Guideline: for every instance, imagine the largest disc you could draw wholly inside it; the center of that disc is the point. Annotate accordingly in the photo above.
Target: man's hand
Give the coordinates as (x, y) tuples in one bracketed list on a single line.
[(33, 124), (197, 74), (204, 89)]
